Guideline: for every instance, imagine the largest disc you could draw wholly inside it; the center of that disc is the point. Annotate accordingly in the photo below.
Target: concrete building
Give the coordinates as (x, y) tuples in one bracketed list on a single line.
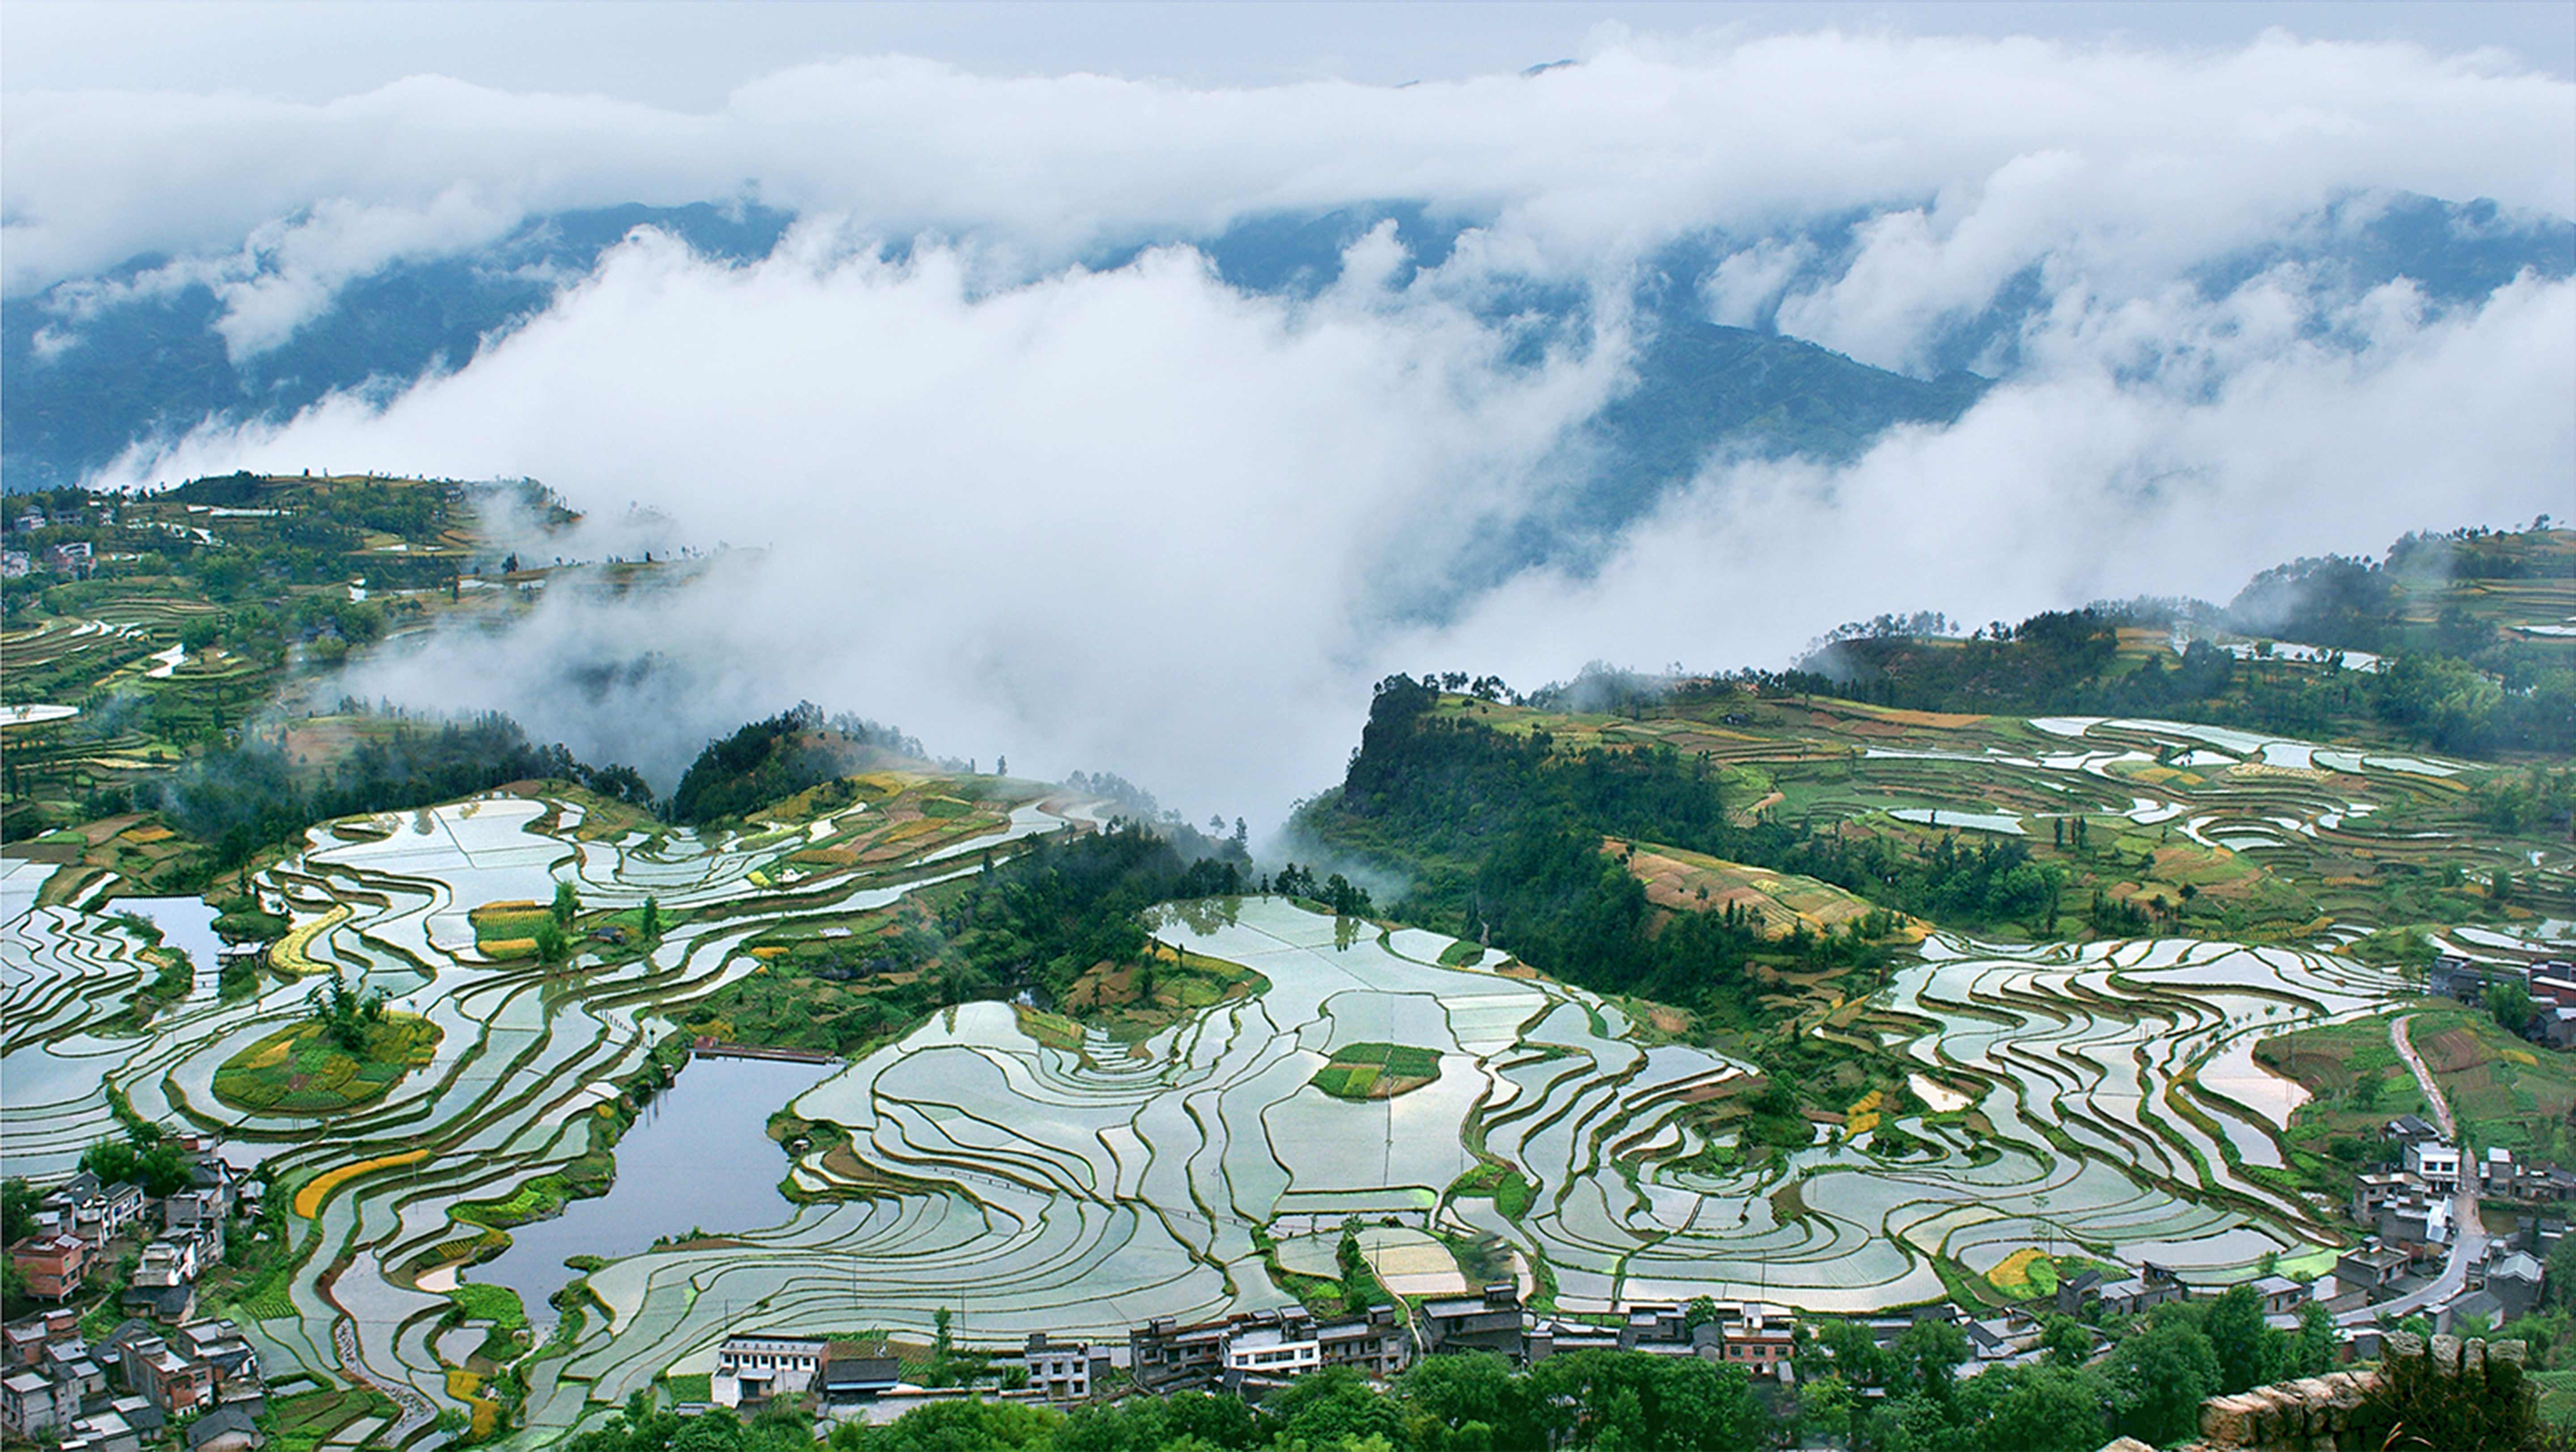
[(33, 1404), (1165, 1355), (24, 1341), (2371, 1191), (1488, 1322), (1374, 1342), (858, 1371), (1061, 1371), (227, 1429), (2514, 1279), (2281, 1295), (1761, 1339), (172, 1382), (755, 1368), (1275, 1352), (53, 1264), (2435, 1163), (2372, 1268)]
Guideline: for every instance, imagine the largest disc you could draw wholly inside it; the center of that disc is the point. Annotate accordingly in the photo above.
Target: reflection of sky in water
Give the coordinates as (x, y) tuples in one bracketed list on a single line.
[(700, 1157)]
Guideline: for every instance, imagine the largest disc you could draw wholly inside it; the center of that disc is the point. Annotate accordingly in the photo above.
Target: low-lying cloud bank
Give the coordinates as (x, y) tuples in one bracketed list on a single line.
[(1985, 155), (1133, 518), (1140, 521)]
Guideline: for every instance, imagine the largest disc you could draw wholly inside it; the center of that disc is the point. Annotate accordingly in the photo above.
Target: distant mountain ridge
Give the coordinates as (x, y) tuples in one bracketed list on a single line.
[(154, 366)]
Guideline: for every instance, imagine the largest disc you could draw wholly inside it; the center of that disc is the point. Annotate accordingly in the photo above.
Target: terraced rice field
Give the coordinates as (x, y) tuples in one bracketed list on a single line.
[(524, 1054), (2301, 839), (1077, 1183)]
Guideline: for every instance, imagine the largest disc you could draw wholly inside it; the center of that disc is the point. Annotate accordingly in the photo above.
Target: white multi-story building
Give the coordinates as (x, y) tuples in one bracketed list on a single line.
[(749, 1368), (1063, 1371), (1275, 1351), (2435, 1163)]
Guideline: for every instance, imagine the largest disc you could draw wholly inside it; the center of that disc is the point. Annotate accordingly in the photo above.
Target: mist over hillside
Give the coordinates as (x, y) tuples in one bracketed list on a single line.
[(1141, 424)]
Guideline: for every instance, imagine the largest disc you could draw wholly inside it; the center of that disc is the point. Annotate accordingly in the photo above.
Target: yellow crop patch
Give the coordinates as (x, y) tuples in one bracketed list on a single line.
[(289, 955), (308, 1201)]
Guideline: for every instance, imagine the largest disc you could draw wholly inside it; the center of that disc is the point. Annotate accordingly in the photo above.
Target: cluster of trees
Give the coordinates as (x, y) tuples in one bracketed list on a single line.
[(1041, 918), (2159, 1369), (769, 760), (348, 1018), (1346, 898), (145, 1157), (1504, 840), (2452, 682), (2541, 799), (1591, 1399), (242, 798)]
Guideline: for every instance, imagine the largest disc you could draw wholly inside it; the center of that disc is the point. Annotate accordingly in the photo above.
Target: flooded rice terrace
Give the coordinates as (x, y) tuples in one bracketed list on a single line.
[(1028, 1180)]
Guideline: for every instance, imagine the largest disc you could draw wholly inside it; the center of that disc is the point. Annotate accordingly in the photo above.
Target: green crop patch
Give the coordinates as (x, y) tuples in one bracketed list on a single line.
[(302, 1070), (1377, 1071)]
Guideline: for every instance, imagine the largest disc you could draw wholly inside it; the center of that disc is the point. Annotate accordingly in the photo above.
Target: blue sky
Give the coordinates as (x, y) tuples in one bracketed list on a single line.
[(691, 55)]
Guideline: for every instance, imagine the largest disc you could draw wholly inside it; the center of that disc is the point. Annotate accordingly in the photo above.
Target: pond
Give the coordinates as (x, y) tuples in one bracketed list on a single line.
[(186, 923), (700, 1158)]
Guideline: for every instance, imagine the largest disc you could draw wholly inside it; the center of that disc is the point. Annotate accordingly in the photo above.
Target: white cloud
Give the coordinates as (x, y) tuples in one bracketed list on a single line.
[(1130, 520), (2141, 158), (2243, 444), (1139, 521), (288, 271)]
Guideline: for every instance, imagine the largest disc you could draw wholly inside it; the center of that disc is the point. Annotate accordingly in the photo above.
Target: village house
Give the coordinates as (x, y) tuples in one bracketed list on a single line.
[(2456, 977), (1061, 1371), (752, 1369), (221, 1347), (1552, 1337), (164, 1284), (227, 1429), (1374, 1342), (1272, 1350), (2152, 1287), (2420, 1225), (1488, 1322), (2281, 1295), (1269, 1346), (104, 1430), (1761, 1339), (32, 1403), (858, 1371), (25, 1339), (2076, 1292), (2514, 1280), (2435, 1163), (53, 1264), (2371, 1268), (173, 1383), (2558, 1028), (1165, 1355)]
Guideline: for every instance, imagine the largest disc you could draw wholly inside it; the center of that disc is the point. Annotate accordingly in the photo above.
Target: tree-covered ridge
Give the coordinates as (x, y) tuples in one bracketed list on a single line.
[(773, 759), (240, 799), (1503, 835), (1044, 917), (2449, 611)]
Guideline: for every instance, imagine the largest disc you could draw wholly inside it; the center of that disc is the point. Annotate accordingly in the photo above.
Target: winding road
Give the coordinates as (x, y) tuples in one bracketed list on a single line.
[(2469, 1237)]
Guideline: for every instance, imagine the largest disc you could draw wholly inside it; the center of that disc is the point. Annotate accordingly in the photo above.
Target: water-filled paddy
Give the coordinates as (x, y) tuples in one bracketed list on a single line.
[(699, 1157), (1080, 1189)]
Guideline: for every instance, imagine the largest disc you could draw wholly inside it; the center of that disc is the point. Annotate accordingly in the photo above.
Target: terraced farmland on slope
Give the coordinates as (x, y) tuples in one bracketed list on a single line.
[(1048, 1177)]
